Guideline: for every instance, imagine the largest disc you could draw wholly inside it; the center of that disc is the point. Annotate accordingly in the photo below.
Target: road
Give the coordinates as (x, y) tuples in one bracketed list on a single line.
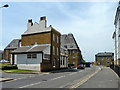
[(70, 79)]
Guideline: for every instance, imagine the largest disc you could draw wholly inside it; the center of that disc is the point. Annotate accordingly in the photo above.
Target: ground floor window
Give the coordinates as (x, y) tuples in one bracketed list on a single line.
[(29, 56), (54, 63)]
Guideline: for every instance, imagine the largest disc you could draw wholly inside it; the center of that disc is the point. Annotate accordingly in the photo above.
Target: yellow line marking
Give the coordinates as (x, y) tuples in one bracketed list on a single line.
[(83, 81)]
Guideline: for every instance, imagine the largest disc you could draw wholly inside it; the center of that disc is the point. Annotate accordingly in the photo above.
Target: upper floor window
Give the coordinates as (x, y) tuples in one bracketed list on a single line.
[(73, 51), (57, 51), (71, 46), (65, 46), (57, 39), (53, 37), (53, 50), (73, 56)]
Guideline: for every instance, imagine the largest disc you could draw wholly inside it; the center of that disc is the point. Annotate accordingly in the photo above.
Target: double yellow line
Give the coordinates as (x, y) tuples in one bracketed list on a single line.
[(83, 81)]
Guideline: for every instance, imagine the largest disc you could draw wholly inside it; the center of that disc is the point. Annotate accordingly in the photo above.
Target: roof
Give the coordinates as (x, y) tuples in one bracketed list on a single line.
[(13, 44), (69, 41), (36, 48), (105, 54)]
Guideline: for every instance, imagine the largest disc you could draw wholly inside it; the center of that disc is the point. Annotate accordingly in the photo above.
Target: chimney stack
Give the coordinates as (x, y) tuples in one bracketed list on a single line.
[(29, 23), (43, 22)]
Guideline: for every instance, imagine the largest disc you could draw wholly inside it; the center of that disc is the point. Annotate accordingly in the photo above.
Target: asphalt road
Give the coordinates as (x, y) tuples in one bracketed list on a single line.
[(69, 79)]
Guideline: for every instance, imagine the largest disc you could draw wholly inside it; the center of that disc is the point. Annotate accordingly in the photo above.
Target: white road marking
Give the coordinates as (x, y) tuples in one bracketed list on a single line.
[(57, 77), (30, 85)]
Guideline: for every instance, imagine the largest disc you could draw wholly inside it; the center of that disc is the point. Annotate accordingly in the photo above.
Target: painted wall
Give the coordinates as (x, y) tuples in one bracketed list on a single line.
[(30, 64)]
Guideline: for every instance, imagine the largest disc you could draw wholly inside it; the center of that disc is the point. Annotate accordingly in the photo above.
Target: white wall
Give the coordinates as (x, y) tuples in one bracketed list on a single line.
[(29, 64)]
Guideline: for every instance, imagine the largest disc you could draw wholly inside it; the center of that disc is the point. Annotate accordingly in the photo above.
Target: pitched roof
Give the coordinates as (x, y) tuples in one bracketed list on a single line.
[(13, 44), (69, 41), (36, 48)]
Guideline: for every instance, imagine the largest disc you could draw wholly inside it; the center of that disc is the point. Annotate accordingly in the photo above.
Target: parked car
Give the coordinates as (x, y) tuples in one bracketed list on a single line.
[(4, 61), (87, 64), (81, 66)]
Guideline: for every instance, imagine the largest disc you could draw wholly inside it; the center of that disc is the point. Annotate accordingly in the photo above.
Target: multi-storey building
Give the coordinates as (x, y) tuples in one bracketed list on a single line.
[(39, 34), (14, 44), (116, 36), (105, 59), (74, 53)]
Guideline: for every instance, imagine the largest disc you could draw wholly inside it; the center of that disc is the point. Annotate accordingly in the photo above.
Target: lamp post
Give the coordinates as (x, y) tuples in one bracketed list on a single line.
[(6, 5)]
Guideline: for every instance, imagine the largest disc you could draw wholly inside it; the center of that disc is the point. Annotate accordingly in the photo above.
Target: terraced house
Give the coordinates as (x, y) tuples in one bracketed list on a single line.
[(40, 47), (74, 53)]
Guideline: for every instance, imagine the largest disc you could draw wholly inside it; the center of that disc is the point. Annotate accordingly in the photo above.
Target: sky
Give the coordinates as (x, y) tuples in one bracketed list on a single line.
[(92, 23)]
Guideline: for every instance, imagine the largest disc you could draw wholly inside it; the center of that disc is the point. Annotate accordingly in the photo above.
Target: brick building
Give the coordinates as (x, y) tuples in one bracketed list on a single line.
[(105, 59), (14, 44), (74, 53), (39, 34)]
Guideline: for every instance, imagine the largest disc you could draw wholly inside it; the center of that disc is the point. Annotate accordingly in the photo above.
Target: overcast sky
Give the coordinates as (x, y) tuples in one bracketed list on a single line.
[(92, 23)]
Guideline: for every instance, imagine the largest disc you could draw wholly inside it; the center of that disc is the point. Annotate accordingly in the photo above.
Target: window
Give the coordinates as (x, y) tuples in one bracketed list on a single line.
[(53, 37), (57, 51), (60, 60), (73, 56), (65, 46), (53, 50), (102, 58), (73, 51), (34, 55), (28, 56), (73, 62), (63, 60), (54, 63), (71, 46), (57, 39)]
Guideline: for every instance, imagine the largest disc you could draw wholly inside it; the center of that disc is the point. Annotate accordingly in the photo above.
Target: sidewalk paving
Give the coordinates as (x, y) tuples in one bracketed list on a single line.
[(106, 78)]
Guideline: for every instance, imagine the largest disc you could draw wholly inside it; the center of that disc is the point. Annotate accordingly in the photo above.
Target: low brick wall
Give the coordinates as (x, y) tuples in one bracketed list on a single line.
[(46, 66)]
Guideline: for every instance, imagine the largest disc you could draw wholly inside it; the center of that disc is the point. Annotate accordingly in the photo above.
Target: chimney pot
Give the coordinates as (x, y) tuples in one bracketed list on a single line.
[(30, 21), (43, 18)]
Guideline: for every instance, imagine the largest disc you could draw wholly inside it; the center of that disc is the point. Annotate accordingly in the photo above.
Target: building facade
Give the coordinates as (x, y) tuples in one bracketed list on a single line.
[(14, 44), (116, 36), (105, 59), (74, 53), (1, 54), (40, 34), (63, 57)]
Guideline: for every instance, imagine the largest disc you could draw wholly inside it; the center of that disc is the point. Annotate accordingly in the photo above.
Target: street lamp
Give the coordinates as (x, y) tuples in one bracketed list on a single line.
[(6, 5)]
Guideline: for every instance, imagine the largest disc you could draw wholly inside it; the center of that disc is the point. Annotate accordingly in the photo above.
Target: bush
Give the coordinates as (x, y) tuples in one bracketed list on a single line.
[(9, 67)]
